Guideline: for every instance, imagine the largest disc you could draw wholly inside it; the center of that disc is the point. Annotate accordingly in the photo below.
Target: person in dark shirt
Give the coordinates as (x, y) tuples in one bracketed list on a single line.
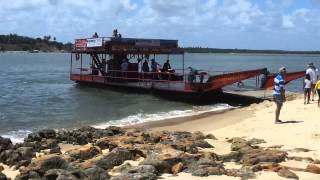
[(145, 66), (95, 35), (166, 66)]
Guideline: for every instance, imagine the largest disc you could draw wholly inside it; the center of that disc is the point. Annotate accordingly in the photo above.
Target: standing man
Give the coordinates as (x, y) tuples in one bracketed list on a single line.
[(279, 92), (311, 70)]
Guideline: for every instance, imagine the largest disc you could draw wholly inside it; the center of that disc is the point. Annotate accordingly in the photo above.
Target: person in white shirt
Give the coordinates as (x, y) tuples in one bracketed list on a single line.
[(313, 77), (307, 89)]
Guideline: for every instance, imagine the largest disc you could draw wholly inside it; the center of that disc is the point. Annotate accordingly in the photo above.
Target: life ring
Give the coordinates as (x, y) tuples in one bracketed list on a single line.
[(77, 56)]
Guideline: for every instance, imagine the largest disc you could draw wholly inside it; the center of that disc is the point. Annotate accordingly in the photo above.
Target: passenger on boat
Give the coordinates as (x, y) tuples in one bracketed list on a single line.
[(192, 74), (124, 65), (104, 64), (115, 34), (95, 35), (145, 66), (166, 66), (154, 66)]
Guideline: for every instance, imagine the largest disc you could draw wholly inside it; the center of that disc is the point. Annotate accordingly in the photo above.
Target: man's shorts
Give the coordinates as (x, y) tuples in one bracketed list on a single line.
[(278, 99)]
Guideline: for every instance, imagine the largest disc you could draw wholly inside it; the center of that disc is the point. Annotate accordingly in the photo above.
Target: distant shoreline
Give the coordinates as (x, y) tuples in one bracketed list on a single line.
[(231, 54)]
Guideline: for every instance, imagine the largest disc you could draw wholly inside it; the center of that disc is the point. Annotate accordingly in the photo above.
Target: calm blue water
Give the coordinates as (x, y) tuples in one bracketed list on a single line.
[(36, 92)]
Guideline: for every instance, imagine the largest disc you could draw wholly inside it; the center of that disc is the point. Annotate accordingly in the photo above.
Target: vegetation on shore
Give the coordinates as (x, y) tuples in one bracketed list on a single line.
[(244, 51), (14, 42)]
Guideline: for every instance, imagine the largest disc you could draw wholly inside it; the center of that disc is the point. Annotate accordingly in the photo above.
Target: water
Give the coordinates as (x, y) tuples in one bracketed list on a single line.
[(36, 92)]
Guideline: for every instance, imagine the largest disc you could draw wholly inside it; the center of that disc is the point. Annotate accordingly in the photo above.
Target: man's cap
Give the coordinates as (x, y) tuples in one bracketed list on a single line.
[(310, 65), (282, 69)]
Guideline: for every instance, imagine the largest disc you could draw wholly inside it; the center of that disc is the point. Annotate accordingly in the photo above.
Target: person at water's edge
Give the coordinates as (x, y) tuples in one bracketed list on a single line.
[(279, 92)]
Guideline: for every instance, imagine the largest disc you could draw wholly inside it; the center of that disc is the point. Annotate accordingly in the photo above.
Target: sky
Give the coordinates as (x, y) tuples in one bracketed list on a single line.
[(248, 24)]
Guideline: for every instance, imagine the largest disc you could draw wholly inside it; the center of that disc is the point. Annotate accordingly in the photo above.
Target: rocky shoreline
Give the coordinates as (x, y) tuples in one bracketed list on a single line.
[(120, 153)]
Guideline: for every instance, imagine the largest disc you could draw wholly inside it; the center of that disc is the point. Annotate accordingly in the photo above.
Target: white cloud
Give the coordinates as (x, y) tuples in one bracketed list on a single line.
[(215, 23)]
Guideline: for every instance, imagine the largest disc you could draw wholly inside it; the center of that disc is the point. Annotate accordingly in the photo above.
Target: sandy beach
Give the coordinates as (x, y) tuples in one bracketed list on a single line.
[(300, 130)]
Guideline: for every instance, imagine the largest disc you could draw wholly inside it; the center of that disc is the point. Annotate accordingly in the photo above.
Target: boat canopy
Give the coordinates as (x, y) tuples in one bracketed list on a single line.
[(113, 45)]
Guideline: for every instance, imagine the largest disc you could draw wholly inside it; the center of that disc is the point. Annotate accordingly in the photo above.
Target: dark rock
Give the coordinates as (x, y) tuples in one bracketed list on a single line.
[(210, 136), (142, 172), (198, 135), (105, 143), (313, 169), (143, 169), (231, 157), (26, 152), (200, 172), (206, 167), (83, 138), (3, 176), (38, 136), (96, 173), (56, 150), (33, 175), (113, 130), (5, 144), (116, 157), (59, 174), (284, 172), (136, 176)]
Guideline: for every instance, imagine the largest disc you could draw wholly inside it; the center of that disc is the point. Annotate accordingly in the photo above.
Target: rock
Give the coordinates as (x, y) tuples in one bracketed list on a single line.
[(105, 143), (84, 153), (60, 174), (245, 173), (210, 136), (3, 176), (26, 152), (256, 141), (114, 130), (163, 157), (177, 168), (96, 173), (239, 144), (143, 169), (256, 156), (120, 169), (200, 172), (115, 158), (136, 176), (313, 169), (5, 144), (33, 175), (206, 167), (284, 172), (198, 135), (1, 168), (306, 159), (142, 172), (45, 133), (45, 163), (300, 150), (231, 157), (56, 150)]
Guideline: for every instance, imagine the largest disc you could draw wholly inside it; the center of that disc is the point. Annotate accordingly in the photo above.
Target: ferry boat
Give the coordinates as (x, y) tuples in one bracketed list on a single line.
[(116, 62)]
